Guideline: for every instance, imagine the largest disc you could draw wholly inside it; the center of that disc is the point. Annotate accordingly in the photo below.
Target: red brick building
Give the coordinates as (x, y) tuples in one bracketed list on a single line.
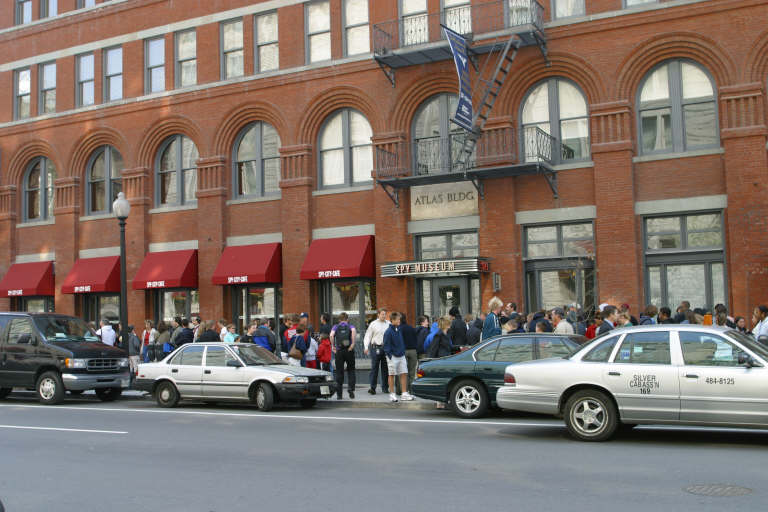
[(285, 156)]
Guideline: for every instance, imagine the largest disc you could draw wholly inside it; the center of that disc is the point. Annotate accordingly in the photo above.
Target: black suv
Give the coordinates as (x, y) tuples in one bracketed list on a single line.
[(53, 353)]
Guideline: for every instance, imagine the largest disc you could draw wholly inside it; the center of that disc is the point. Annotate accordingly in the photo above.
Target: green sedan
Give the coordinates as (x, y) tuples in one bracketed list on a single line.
[(468, 380)]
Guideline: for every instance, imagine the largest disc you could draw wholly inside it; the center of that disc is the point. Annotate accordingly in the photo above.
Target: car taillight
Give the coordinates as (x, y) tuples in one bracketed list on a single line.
[(509, 378), (419, 373)]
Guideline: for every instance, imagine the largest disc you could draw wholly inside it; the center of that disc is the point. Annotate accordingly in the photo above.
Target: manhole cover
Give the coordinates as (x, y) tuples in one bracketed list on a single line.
[(718, 490)]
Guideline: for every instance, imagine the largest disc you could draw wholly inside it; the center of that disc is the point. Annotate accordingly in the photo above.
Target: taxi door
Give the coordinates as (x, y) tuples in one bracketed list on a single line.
[(643, 379), (187, 370), (220, 380), (714, 387)]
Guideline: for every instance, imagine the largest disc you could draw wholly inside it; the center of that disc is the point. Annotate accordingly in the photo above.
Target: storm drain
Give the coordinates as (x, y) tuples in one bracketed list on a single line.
[(718, 490)]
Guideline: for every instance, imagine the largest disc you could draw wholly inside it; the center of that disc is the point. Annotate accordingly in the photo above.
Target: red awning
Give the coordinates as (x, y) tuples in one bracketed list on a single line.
[(25, 279), (250, 264), (172, 269), (332, 258), (93, 275)]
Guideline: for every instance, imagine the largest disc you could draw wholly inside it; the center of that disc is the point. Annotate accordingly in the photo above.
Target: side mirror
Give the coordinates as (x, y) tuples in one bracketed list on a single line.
[(746, 360), (25, 339), (234, 364)]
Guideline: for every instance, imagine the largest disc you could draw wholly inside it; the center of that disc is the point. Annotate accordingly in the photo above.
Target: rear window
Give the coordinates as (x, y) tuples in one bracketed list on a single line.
[(644, 348), (602, 351)]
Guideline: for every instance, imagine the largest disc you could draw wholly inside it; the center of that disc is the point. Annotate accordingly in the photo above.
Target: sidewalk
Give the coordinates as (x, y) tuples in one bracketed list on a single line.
[(362, 400)]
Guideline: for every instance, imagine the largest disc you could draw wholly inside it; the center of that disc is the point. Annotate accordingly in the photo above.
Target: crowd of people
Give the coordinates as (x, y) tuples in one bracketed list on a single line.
[(395, 347)]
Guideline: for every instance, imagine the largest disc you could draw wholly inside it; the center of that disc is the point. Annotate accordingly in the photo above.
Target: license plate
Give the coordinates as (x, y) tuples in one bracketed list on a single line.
[(325, 390)]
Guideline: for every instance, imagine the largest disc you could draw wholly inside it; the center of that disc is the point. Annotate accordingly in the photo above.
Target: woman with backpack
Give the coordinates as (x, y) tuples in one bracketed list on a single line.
[(440, 346)]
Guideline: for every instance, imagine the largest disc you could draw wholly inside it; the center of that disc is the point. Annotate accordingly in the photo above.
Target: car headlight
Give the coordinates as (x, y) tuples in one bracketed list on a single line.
[(329, 378), (293, 379), (123, 362), (76, 363)]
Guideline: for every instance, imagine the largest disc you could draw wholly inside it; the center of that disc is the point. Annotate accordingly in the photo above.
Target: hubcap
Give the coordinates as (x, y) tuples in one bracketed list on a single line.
[(260, 398), (467, 399), (47, 388), (165, 394), (589, 416)]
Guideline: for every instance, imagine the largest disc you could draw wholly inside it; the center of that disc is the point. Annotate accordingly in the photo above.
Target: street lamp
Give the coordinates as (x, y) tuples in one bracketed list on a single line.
[(122, 209)]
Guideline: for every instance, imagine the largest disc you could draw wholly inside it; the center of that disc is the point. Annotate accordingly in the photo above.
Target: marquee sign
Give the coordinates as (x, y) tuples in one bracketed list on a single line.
[(423, 268)]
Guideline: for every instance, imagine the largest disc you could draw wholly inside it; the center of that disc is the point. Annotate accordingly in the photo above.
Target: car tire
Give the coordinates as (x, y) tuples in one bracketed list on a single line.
[(590, 415), (108, 394), (4, 392), (49, 388), (264, 397), (308, 403), (166, 394), (469, 399), (75, 392)]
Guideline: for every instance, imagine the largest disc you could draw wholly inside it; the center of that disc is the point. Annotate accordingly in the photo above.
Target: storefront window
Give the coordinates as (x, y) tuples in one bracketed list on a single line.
[(448, 246), (34, 304), (181, 303), (255, 303), (684, 260), (559, 263), (96, 307), (355, 298)]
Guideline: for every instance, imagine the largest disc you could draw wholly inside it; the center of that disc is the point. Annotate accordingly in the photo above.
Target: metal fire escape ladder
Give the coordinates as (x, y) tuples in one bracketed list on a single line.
[(492, 90)]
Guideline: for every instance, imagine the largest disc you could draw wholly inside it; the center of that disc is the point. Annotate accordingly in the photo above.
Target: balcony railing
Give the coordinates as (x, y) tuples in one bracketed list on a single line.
[(484, 18)]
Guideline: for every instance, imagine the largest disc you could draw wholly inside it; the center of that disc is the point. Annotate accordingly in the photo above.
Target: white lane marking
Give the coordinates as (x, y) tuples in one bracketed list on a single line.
[(20, 427), (290, 416)]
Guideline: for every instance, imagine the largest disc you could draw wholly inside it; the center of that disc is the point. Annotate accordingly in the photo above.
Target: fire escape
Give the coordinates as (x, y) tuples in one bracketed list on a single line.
[(495, 32)]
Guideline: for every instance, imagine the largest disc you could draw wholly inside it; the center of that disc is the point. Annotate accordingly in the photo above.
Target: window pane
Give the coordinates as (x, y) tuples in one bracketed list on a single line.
[(654, 286), (23, 107), (515, 350), (319, 17), (247, 180), (412, 6), (190, 185), (168, 159), (700, 125), (358, 40), (415, 29), (97, 169), (362, 163), (331, 137), (657, 129), (464, 240), (266, 28), (157, 79), (432, 243), (271, 175), (117, 186), (536, 108), (662, 224), (188, 73), (356, 12), (116, 164), (86, 67), (233, 36), (686, 282), (187, 45), (50, 195), (656, 86), (33, 204), (545, 250), (248, 145), (602, 351), (658, 242), (564, 8), (97, 197), (577, 231), (572, 103), (215, 356), (696, 84), (488, 352), (320, 47), (269, 57), (33, 178), (86, 93), (333, 167), (115, 88), (459, 19), (359, 129), (168, 187), (700, 222), (428, 119), (189, 154), (192, 356), (234, 64), (575, 138), (704, 349), (644, 348), (541, 234), (114, 61), (49, 76), (26, 12), (156, 52), (554, 347), (23, 86), (558, 287), (718, 283), (49, 101), (708, 239), (578, 248), (270, 141)]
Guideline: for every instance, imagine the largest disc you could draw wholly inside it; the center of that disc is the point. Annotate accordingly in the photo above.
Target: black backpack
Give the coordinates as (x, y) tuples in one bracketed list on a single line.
[(343, 336)]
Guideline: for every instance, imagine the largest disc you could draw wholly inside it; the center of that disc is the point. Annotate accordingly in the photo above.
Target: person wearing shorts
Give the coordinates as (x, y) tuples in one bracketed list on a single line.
[(394, 349)]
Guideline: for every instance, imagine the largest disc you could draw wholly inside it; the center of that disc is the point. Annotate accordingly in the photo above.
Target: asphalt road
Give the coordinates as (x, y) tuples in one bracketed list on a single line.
[(133, 456)]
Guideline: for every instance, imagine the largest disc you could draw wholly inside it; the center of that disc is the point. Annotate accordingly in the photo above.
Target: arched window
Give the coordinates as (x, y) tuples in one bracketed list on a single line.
[(177, 171), (104, 180), (38, 190), (257, 161), (556, 107), (437, 141), (677, 110), (346, 154)]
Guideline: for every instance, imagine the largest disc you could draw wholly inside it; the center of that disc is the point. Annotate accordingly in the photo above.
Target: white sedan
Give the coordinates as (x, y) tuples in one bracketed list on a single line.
[(223, 371), (660, 374)]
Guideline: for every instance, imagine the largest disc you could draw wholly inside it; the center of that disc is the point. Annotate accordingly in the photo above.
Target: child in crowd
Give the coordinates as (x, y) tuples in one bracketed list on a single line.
[(311, 355), (324, 352)]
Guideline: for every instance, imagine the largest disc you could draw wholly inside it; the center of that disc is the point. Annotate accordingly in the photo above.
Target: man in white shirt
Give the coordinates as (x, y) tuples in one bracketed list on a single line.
[(106, 333), (562, 326), (760, 318), (373, 343)]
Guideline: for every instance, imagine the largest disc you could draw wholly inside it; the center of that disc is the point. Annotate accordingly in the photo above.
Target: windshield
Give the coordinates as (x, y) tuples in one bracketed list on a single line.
[(61, 328), (256, 356), (750, 343)]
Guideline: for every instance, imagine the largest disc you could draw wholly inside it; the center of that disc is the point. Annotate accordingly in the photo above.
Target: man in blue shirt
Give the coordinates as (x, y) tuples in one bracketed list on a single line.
[(394, 349), (492, 327)]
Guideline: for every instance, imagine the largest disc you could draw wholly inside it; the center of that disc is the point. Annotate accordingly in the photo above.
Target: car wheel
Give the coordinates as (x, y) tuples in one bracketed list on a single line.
[(75, 392), (469, 399), (50, 389), (264, 397), (108, 394), (4, 392), (308, 403), (166, 394), (591, 416)]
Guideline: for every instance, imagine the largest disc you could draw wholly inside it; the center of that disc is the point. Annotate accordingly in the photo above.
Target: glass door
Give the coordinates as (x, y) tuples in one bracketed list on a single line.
[(447, 293), (254, 302)]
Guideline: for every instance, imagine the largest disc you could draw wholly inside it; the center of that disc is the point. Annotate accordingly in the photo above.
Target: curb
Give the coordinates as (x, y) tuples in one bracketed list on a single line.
[(352, 404)]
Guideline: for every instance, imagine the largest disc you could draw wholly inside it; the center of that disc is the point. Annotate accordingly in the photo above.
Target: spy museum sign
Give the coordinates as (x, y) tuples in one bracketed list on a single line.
[(443, 200)]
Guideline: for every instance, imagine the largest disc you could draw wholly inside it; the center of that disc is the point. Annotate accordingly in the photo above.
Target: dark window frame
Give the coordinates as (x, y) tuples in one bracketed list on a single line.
[(179, 170), (554, 15), (109, 182), (43, 92), (19, 8), (346, 147), (149, 68), (80, 82), (17, 96), (178, 61), (44, 190), (258, 126), (45, 8), (344, 38), (449, 247), (308, 36), (223, 52), (107, 78), (258, 45)]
